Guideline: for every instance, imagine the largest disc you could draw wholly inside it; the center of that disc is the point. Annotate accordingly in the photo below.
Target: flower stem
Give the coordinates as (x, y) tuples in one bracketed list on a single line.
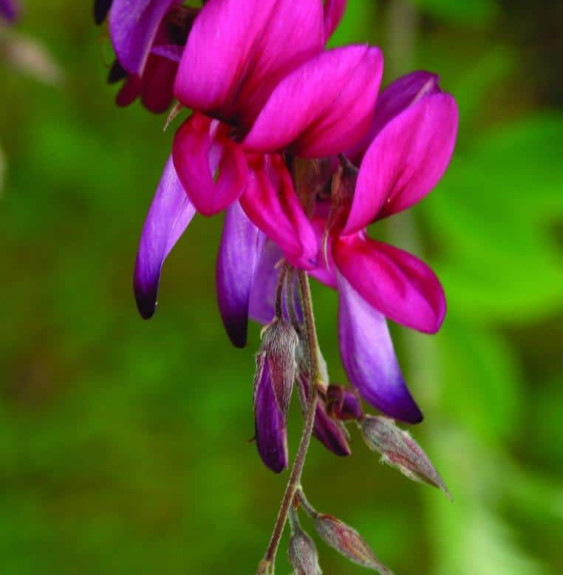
[(294, 481)]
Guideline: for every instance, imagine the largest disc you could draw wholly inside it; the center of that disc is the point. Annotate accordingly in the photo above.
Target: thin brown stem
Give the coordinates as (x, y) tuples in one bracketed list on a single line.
[(294, 481)]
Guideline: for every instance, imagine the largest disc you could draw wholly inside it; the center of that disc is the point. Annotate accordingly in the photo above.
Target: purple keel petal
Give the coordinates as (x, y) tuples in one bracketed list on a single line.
[(239, 252), (211, 166), (133, 27), (168, 217), (263, 295), (405, 160), (394, 282), (271, 433), (322, 107), (369, 358), (271, 203), (238, 50)]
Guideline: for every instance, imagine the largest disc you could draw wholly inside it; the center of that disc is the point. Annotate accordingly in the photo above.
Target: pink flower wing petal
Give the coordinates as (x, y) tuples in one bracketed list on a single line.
[(404, 92), (405, 161), (211, 166), (323, 107), (394, 282), (272, 204), (238, 50)]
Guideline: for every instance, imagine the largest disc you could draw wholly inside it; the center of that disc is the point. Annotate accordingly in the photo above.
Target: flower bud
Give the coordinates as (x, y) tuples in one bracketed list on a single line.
[(273, 384), (279, 345), (332, 434), (303, 554), (343, 404), (348, 542), (400, 450)]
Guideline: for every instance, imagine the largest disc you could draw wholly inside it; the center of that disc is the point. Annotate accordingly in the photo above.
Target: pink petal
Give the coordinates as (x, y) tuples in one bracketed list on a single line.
[(323, 107), (169, 215), (239, 253), (394, 282), (334, 10), (404, 92), (405, 161), (211, 166), (238, 50), (272, 204), (369, 358)]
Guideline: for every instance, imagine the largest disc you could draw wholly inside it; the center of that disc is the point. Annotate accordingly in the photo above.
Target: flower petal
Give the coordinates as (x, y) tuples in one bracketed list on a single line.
[(133, 27), (271, 433), (211, 166), (405, 160), (332, 434), (158, 79), (398, 96), (168, 217), (334, 10), (322, 107), (394, 282), (273, 206), (239, 252), (238, 50), (368, 356), (263, 294)]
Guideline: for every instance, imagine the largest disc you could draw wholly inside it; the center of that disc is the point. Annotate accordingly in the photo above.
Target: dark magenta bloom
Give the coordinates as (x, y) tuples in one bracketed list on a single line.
[(412, 139), (235, 76)]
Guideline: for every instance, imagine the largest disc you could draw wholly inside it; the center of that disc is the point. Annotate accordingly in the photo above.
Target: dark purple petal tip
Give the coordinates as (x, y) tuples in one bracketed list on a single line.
[(369, 358), (101, 9), (239, 253), (168, 217)]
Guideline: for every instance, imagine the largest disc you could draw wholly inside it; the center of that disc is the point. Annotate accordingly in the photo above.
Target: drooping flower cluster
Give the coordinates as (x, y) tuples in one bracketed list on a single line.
[(297, 146), (300, 149)]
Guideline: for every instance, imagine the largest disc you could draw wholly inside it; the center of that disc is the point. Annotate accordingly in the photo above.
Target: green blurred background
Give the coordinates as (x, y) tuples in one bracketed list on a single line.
[(123, 443)]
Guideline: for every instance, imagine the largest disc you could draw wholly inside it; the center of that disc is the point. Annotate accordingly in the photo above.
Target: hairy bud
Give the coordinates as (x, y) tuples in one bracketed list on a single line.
[(279, 345), (343, 404), (303, 554), (273, 384), (348, 542), (400, 450)]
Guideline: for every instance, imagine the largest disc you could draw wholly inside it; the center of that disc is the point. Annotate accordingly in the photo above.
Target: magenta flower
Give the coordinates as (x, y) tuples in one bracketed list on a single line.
[(413, 136), (9, 9), (148, 39), (243, 86)]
